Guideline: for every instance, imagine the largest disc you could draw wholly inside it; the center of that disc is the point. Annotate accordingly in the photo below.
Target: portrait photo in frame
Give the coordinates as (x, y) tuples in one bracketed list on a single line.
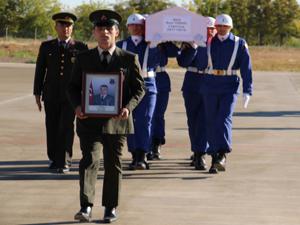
[(101, 94)]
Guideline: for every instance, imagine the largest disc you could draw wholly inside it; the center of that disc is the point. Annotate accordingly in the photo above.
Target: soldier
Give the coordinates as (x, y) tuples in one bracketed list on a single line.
[(107, 134), (53, 70), (163, 84), (194, 58), (139, 143), (227, 54), (211, 29)]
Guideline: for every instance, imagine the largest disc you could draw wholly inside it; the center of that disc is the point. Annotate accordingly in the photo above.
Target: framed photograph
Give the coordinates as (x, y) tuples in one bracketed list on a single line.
[(101, 94)]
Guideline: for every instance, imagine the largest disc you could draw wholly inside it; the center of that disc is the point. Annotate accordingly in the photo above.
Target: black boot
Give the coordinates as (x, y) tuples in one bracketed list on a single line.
[(221, 162), (213, 168), (132, 165), (199, 161), (154, 153), (141, 163)]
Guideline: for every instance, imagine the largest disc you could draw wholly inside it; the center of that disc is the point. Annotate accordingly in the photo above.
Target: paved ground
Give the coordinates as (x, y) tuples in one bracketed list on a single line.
[(261, 185)]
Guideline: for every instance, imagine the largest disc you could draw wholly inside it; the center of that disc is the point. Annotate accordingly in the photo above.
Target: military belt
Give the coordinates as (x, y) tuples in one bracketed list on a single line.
[(224, 72), (195, 70), (146, 74), (160, 69)]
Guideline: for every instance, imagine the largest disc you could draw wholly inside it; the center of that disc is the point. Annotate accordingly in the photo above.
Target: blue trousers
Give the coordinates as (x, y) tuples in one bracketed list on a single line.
[(142, 117), (194, 107), (219, 109), (158, 121)]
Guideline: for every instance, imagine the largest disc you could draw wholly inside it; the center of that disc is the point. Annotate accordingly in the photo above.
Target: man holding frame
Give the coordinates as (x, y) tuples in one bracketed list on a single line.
[(107, 133)]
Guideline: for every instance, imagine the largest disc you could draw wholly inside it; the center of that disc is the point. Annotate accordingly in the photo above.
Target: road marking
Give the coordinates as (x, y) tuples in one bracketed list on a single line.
[(15, 99)]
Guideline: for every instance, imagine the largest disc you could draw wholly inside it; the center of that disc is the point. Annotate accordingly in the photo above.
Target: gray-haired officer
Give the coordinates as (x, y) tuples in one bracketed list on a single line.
[(53, 70)]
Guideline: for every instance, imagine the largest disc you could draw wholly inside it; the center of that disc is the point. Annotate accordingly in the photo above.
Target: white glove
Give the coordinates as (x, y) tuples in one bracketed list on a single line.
[(193, 44), (246, 99), (153, 44)]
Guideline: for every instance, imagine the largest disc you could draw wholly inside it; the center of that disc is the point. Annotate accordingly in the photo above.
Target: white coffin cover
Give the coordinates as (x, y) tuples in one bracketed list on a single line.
[(176, 24)]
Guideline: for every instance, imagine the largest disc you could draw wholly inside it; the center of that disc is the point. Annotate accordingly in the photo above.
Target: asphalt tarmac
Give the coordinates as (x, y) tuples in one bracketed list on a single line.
[(261, 184)]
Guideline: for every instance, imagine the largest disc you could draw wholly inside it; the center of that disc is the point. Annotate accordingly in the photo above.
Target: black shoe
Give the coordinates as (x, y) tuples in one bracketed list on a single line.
[(150, 156), (63, 170), (199, 161), (213, 169), (52, 165), (109, 215), (84, 215), (141, 163), (220, 164), (132, 165), (155, 149)]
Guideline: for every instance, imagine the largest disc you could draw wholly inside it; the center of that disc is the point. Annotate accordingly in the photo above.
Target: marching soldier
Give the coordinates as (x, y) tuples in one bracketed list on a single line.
[(227, 54), (139, 144), (163, 84), (53, 69), (107, 134), (194, 59)]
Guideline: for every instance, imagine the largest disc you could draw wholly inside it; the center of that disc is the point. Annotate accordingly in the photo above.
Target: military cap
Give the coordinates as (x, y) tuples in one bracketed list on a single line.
[(64, 17), (105, 17)]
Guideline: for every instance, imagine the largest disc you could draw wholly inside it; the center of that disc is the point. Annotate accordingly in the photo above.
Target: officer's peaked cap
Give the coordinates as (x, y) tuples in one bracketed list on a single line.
[(64, 17), (105, 17)]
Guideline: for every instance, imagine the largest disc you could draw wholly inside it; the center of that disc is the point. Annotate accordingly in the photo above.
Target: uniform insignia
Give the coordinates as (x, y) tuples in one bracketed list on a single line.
[(73, 59), (103, 17)]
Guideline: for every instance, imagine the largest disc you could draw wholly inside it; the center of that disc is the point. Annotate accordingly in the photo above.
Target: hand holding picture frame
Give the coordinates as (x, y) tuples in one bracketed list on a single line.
[(101, 94)]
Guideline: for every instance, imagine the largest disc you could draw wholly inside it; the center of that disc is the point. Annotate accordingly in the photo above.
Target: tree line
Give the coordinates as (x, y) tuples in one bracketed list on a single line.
[(260, 22)]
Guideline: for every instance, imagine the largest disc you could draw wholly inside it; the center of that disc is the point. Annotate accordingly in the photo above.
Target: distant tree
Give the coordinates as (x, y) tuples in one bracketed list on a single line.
[(285, 13), (83, 26), (239, 12), (209, 7), (37, 17), (259, 21)]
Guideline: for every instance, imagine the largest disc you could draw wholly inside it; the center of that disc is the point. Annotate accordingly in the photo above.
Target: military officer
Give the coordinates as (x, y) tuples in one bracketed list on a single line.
[(107, 134), (139, 143), (53, 69), (163, 84), (227, 54)]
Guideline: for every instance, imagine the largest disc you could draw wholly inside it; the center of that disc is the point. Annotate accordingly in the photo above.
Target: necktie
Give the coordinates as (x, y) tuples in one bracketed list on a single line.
[(63, 44), (105, 60)]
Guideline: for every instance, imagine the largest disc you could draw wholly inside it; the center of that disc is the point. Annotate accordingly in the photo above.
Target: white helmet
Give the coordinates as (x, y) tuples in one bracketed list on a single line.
[(135, 19), (210, 22), (224, 19)]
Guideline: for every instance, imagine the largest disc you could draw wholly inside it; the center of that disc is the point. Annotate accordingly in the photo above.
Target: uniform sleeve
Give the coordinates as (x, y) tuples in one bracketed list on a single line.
[(186, 57), (171, 49), (40, 71), (246, 69), (137, 86), (75, 85)]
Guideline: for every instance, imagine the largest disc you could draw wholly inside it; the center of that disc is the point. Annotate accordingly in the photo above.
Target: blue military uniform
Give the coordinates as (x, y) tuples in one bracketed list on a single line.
[(221, 89), (139, 143), (163, 84), (195, 60)]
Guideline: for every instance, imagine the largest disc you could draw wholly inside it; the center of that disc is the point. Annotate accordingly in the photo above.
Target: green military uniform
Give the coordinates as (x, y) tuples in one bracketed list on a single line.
[(53, 71), (107, 132)]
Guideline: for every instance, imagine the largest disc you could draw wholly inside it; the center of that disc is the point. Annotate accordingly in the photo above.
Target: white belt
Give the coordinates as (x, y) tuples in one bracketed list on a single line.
[(146, 74), (160, 69), (224, 72), (195, 70)]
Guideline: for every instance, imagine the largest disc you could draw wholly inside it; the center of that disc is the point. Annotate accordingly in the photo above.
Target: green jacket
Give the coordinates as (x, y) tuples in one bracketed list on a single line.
[(133, 90), (53, 69)]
